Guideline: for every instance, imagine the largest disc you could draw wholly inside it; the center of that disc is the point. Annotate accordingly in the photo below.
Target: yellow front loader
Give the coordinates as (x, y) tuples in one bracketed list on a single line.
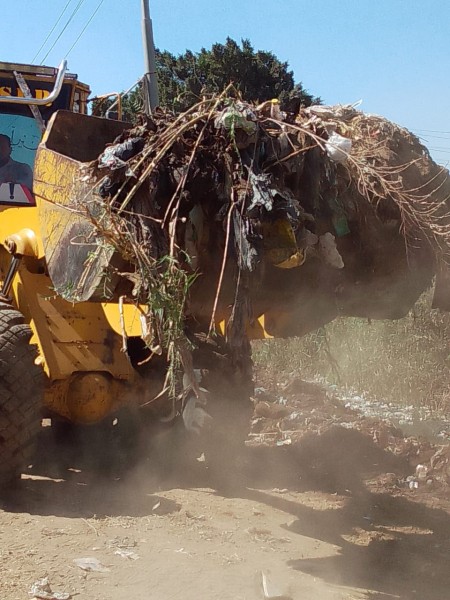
[(76, 362), (57, 359), (75, 350)]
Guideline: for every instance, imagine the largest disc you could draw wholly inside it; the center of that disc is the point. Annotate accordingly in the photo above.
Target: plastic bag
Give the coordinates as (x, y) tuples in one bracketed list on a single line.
[(338, 147)]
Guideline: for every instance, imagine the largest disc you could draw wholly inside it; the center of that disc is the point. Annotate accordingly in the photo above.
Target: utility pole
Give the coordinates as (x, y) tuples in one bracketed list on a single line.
[(150, 81)]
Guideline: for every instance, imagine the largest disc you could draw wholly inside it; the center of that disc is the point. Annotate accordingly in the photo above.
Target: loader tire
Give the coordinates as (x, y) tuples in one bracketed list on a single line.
[(21, 390)]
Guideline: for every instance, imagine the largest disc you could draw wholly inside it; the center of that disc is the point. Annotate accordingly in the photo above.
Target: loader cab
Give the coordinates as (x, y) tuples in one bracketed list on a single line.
[(22, 125)]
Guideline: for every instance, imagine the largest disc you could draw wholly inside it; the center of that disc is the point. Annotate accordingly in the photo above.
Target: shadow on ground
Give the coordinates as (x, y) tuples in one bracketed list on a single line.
[(86, 474), (394, 546)]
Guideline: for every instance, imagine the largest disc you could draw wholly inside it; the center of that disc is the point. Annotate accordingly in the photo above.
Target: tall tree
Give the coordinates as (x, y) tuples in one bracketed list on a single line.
[(258, 75), (183, 79)]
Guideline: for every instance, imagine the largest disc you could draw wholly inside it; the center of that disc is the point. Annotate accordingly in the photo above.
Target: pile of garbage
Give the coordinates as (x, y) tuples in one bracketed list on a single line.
[(300, 409), (224, 211)]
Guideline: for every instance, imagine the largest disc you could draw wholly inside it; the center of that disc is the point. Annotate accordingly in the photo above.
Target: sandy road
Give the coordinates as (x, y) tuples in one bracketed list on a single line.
[(316, 531)]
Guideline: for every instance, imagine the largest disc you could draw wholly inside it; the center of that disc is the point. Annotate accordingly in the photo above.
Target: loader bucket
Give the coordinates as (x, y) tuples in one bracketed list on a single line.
[(76, 255)]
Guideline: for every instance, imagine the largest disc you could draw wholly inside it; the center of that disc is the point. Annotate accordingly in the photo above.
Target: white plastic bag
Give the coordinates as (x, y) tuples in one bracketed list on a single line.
[(329, 251), (338, 147)]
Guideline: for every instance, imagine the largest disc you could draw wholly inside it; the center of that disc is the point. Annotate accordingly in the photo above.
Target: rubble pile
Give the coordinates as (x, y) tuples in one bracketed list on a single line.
[(301, 409), (226, 211), (280, 185)]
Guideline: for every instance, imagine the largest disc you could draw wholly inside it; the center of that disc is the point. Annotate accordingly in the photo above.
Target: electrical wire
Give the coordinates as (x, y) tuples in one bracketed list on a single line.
[(84, 28), (432, 131), (438, 151), (51, 31), (435, 137), (430, 139), (70, 19)]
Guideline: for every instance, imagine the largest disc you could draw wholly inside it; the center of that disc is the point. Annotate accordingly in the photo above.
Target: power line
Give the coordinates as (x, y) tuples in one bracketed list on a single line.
[(51, 31), (76, 9), (440, 150), (435, 137), (85, 27), (432, 131), (427, 141)]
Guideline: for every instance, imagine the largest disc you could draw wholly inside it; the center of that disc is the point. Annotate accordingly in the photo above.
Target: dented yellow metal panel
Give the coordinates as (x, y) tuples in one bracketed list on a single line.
[(54, 184), (65, 231), (78, 256)]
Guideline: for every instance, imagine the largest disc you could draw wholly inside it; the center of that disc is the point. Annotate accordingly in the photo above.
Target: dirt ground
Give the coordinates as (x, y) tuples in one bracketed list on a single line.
[(326, 506)]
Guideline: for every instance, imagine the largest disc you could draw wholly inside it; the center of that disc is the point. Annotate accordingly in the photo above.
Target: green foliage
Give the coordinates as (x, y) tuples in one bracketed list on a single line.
[(184, 79), (258, 75), (132, 104), (167, 286)]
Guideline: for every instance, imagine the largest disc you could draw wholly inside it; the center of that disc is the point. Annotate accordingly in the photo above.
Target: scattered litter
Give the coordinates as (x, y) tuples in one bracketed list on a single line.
[(91, 564), (238, 117), (125, 543), (232, 560), (53, 532), (156, 506), (183, 551), (260, 391), (328, 250), (127, 554), (115, 157), (258, 531), (313, 408), (307, 239), (271, 590), (338, 147), (194, 415), (41, 590), (280, 491), (421, 472), (190, 515), (286, 442), (271, 411), (413, 484), (324, 112)]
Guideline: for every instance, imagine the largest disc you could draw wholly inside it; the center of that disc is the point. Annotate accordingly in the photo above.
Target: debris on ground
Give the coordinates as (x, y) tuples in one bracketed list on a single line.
[(41, 590), (124, 547), (129, 554), (299, 409), (125, 543), (91, 564), (271, 590)]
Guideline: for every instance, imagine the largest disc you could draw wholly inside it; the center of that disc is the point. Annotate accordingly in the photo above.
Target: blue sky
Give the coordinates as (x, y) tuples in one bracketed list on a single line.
[(394, 55)]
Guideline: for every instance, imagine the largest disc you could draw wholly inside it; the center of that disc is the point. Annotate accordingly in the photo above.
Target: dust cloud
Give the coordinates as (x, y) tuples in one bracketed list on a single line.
[(316, 502)]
